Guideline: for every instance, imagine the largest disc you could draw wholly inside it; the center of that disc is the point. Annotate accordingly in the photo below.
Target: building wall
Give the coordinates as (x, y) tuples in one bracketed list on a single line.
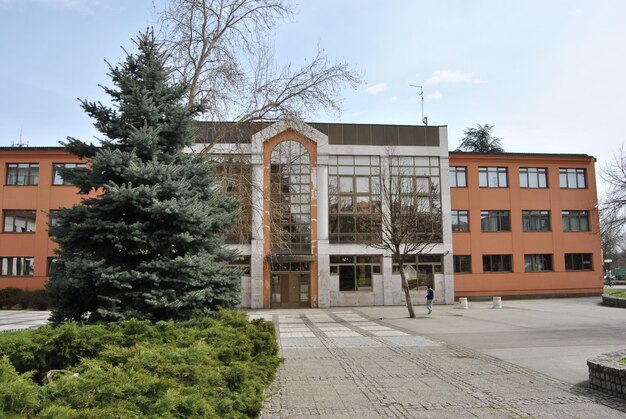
[(43, 198), (518, 242), (386, 288)]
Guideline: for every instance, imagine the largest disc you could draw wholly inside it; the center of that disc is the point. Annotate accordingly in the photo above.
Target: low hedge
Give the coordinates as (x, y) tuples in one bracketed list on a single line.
[(12, 298), (208, 367)]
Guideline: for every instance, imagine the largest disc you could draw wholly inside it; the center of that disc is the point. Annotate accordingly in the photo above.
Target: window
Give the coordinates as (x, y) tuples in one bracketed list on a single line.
[(19, 221), (462, 264), (233, 178), (533, 177), (22, 174), (492, 177), (354, 199), (57, 179), (575, 220), (460, 220), (290, 201), (578, 262), (572, 178), (495, 221), (355, 272), (17, 266), (458, 177), (53, 217), (496, 263), (537, 263), (52, 265), (536, 220)]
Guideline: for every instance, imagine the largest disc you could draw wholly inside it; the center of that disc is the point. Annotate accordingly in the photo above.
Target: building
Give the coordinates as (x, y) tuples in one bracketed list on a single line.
[(524, 224), (315, 204)]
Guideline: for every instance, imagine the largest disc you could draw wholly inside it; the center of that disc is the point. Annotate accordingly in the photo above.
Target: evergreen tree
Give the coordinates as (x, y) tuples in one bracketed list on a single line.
[(480, 140), (146, 240)]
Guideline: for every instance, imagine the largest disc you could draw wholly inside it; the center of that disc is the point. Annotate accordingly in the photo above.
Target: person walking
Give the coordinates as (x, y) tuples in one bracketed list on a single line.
[(430, 295)]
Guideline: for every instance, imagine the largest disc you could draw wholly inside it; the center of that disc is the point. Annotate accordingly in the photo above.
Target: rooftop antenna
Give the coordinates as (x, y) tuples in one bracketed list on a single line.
[(20, 143), (424, 119)]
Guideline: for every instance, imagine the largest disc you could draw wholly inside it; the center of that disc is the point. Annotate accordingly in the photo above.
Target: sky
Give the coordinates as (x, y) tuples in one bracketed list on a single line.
[(549, 75)]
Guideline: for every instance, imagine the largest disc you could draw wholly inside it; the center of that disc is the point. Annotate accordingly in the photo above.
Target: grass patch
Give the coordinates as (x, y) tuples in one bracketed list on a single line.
[(207, 367), (622, 361), (615, 293)]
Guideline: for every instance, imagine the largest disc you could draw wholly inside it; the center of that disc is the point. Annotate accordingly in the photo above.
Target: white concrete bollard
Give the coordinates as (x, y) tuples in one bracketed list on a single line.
[(463, 302), (497, 302)]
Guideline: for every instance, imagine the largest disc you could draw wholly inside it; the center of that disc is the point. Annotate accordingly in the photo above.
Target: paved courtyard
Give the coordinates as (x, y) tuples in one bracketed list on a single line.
[(16, 320), (348, 362)]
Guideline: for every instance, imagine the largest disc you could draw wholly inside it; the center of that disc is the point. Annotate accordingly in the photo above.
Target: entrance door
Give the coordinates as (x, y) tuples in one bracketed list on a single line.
[(290, 289)]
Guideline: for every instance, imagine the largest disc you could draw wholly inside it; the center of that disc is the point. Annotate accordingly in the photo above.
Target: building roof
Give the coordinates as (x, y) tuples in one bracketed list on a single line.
[(507, 154), (40, 148)]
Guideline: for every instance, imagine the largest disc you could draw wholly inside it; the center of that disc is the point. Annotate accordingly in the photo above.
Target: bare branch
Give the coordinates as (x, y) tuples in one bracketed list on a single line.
[(220, 49)]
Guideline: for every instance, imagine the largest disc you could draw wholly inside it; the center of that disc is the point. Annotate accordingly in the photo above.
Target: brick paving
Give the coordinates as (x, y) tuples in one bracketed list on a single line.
[(340, 363)]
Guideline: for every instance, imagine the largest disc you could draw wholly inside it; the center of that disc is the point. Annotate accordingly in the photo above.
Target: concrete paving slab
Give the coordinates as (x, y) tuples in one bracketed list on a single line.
[(442, 365)]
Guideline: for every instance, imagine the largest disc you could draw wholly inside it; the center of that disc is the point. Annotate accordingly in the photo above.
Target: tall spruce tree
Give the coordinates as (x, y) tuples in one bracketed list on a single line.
[(146, 239)]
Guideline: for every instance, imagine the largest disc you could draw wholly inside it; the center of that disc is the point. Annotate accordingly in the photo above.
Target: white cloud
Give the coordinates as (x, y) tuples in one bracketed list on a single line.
[(376, 88), (393, 98), (434, 96), (451, 76)]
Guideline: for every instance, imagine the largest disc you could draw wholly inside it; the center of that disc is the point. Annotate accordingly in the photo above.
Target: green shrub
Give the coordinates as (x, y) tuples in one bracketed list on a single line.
[(18, 393), (207, 367), (18, 299)]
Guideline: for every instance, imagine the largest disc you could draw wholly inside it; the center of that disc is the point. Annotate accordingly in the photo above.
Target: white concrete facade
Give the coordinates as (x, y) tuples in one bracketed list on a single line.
[(386, 285)]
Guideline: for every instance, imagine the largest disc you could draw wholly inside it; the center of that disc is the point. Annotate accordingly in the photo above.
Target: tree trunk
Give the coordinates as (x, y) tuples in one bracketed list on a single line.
[(407, 293)]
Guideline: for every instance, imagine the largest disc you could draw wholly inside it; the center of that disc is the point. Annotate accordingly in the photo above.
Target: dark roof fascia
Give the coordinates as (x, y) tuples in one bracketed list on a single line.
[(33, 148), (474, 153)]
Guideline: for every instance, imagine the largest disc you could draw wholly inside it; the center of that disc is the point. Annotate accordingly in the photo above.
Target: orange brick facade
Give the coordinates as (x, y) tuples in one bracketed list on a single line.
[(519, 243), (475, 243)]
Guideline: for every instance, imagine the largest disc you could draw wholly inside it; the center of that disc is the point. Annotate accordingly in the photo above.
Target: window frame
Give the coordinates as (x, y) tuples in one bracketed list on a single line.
[(56, 175), (27, 262), (535, 217), (528, 173), (579, 174), (457, 215), (485, 173), (354, 214), (32, 176), (567, 216), (505, 259), (499, 216), (456, 173), (570, 261), (31, 219), (458, 263), (537, 262), (371, 265)]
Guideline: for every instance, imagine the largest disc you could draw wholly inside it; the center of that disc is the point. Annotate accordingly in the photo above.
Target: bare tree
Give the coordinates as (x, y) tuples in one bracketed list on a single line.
[(411, 219), (614, 203), (221, 49), (611, 236)]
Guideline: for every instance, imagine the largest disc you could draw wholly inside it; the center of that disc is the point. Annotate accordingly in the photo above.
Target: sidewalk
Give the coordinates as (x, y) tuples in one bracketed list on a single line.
[(347, 362), (22, 319)]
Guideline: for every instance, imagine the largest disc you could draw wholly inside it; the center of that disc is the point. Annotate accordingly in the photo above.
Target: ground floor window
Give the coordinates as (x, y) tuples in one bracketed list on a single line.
[(497, 263), (355, 272), (242, 262), (419, 270), (537, 263), (462, 264), (578, 262), (17, 266)]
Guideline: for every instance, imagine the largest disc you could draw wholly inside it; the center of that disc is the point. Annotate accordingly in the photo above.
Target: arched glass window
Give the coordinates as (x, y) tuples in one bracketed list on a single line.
[(290, 206)]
